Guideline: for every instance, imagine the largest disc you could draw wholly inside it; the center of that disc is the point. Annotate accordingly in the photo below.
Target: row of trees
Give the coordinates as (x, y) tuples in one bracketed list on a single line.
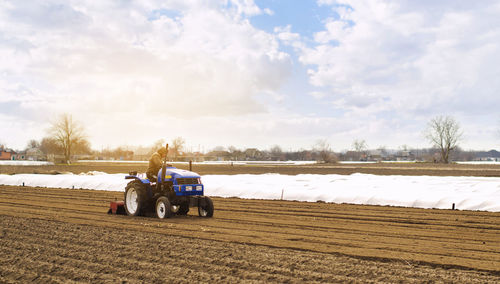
[(443, 133), (67, 137), (174, 148), (320, 152)]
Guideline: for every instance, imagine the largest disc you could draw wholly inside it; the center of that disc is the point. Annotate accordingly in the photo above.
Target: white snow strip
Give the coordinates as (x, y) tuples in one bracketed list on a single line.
[(357, 162), (92, 180), (480, 163), (211, 162), (257, 162), (112, 161), (24, 163), (468, 193)]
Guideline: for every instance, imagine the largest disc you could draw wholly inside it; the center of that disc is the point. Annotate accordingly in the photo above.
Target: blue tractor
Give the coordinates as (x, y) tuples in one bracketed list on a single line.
[(173, 193)]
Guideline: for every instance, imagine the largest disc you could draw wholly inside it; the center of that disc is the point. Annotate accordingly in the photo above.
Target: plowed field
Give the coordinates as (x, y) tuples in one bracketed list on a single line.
[(58, 235), (411, 169)]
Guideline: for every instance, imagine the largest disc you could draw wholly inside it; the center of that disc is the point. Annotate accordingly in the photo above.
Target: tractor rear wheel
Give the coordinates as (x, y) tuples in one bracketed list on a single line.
[(134, 199), (163, 208), (206, 210)]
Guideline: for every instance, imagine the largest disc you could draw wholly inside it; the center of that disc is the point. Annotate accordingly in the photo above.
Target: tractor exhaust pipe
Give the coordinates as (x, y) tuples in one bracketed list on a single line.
[(164, 168)]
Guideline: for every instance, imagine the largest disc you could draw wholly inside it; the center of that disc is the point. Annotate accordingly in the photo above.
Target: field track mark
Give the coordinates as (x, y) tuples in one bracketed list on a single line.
[(65, 254), (63, 245), (327, 215), (408, 214), (224, 263), (322, 266), (342, 238), (402, 222), (366, 231), (99, 214), (308, 230), (74, 194), (346, 250)]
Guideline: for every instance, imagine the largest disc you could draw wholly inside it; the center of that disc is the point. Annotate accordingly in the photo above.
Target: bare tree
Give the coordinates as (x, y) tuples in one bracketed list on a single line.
[(33, 144), (325, 152), (177, 146), (235, 153), (231, 149), (359, 145), (276, 152), (219, 149), (360, 148), (157, 145), (50, 146), (444, 133), (67, 133), (82, 146)]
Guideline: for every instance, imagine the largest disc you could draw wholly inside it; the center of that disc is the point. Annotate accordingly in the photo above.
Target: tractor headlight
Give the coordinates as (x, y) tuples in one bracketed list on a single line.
[(199, 187), (189, 188)]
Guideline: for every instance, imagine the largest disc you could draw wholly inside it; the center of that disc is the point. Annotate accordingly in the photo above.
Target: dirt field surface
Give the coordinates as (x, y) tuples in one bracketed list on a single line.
[(414, 169), (59, 235)]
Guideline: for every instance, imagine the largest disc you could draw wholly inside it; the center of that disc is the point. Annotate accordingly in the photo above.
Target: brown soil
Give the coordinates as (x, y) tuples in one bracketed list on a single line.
[(414, 169), (60, 235)]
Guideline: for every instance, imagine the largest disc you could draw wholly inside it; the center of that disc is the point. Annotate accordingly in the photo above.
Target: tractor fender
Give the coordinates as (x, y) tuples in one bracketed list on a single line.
[(145, 181)]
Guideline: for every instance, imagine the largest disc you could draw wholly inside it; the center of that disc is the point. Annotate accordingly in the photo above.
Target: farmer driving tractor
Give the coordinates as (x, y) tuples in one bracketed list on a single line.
[(155, 163), (170, 194)]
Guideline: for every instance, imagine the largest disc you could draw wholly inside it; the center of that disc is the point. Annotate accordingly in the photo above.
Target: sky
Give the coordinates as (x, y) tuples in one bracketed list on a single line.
[(251, 73)]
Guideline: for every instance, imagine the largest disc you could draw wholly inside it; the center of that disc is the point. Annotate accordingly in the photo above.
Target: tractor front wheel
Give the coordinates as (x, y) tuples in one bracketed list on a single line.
[(206, 210), (163, 208)]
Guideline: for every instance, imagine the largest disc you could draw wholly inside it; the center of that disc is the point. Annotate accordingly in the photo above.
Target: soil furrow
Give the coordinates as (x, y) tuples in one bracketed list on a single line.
[(57, 235), (295, 240), (60, 245), (346, 242)]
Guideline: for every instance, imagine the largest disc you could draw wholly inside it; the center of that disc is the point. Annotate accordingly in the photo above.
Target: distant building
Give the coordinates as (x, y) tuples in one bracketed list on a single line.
[(352, 156), (375, 155), (405, 155), (19, 156), (217, 156), (7, 154), (35, 154)]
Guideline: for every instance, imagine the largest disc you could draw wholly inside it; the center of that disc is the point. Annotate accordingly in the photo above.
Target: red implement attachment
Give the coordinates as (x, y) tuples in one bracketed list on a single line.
[(117, 207)]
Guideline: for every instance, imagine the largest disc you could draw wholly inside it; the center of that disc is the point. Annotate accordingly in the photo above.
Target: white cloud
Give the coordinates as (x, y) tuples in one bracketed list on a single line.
[(204, 53), (334, 30), (285, 34), (317, 95), (409, 56), (160, 59), (246, 7), (268, 11), (199, 69)]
